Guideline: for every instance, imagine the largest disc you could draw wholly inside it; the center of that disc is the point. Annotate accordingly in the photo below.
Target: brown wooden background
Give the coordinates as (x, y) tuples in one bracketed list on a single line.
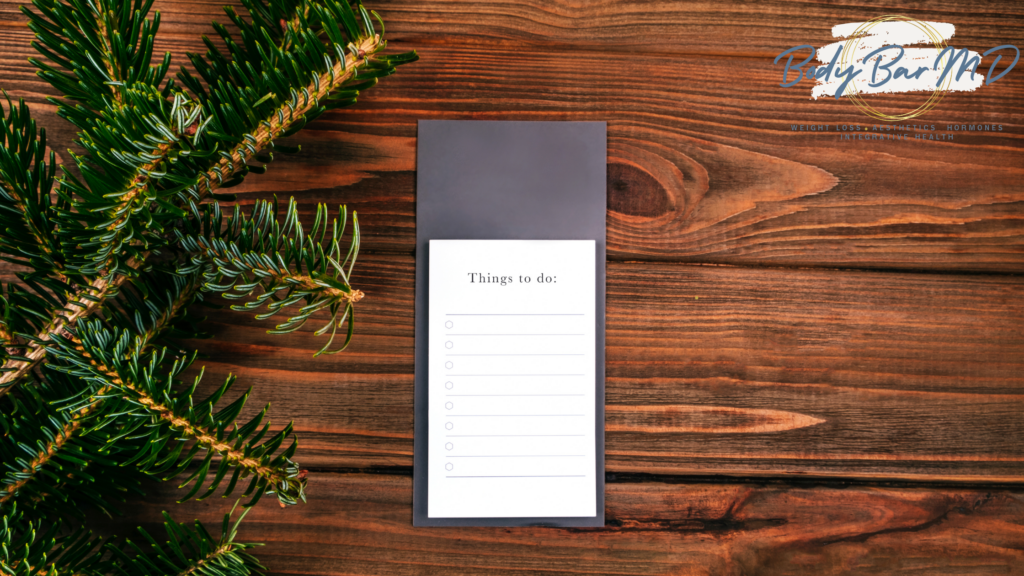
[(814, 347)]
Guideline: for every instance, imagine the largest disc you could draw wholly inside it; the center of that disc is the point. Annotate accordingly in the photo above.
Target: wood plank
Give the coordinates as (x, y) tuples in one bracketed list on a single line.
[(703, 167), (711, 370), (362, 524)]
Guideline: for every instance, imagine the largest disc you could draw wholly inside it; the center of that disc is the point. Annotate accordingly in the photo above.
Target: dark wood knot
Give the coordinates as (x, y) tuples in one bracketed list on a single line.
[(634, 192)]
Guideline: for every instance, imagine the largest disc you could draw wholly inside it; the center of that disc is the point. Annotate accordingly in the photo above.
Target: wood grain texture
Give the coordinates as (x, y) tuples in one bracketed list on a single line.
[(725, 356), (704, 166), (710, 370), (362, 524)]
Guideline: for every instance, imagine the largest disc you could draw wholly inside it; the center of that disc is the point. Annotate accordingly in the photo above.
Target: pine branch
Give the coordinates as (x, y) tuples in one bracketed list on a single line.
[(189, 551), (54, 420), (241, 250), (90, 306), (278, 256), (26, 177), (273, 103), (81, 304), (168, 415), (26, 234), (302, 105), (30, 548), (100, 45), (57, 460), (91, 298), (48, 446), (35, 548), (149, 308), (120, 212)]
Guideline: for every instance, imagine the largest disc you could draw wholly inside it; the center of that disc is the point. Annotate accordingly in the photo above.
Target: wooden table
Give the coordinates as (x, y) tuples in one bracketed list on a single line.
[(814, 347)]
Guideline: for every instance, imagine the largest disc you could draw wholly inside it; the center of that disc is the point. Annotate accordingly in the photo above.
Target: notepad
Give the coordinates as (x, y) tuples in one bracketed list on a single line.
[(509, 326), (511, 379)]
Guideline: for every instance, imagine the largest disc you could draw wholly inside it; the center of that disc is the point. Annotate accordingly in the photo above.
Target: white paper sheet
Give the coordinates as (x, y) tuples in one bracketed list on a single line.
[(511, 379)]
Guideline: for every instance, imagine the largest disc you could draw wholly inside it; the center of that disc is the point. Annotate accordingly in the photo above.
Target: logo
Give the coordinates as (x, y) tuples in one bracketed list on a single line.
[(889, 55)]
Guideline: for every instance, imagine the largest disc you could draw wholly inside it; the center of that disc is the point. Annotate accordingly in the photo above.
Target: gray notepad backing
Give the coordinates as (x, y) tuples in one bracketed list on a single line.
[(496, 180)]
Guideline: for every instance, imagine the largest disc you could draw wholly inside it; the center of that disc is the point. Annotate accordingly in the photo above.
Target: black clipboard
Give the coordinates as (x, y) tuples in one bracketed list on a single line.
[(497, 180)]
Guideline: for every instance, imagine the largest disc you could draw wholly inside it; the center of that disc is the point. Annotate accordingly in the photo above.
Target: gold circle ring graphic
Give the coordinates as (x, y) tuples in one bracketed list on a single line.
[(850, 48)]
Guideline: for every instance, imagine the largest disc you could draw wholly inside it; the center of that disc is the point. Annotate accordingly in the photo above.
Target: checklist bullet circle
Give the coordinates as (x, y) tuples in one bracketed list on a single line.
[(448, 324), (449, 365), (448, 344), (448, 446), (448, 425), (449, 405), (448, 466), (449, 385)]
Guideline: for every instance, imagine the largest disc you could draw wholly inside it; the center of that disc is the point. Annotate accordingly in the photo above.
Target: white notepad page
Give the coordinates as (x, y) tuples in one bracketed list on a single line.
[(511, 379)]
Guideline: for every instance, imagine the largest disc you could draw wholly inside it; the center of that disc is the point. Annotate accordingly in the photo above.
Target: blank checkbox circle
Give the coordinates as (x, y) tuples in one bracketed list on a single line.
[(448, 344), (448, 324), (449, 405), (448, 425), (449, 365), (449, 385), (448, 446), (449, 466)]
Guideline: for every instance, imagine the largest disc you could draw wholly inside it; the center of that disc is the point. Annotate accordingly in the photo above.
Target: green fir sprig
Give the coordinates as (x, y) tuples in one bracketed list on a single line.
[(187, 550), (153, 404), (114, 258), (289, 266), (34, 547)]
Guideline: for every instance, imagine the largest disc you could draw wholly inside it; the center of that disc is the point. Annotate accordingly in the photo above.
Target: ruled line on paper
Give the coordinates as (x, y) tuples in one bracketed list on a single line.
[(524, 314), (513, 435), (510, 415), (520, 456), (513, 355), (515, 334), (515, 374), (512, 395), (545, 476)]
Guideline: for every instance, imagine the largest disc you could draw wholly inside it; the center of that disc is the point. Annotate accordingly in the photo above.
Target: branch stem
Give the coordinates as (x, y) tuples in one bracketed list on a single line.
[(219, 551), (108, 64), (51, 448), (274, 126), (204, 437), (37, 234), (62, 319), (75, 424), (101, 288)]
